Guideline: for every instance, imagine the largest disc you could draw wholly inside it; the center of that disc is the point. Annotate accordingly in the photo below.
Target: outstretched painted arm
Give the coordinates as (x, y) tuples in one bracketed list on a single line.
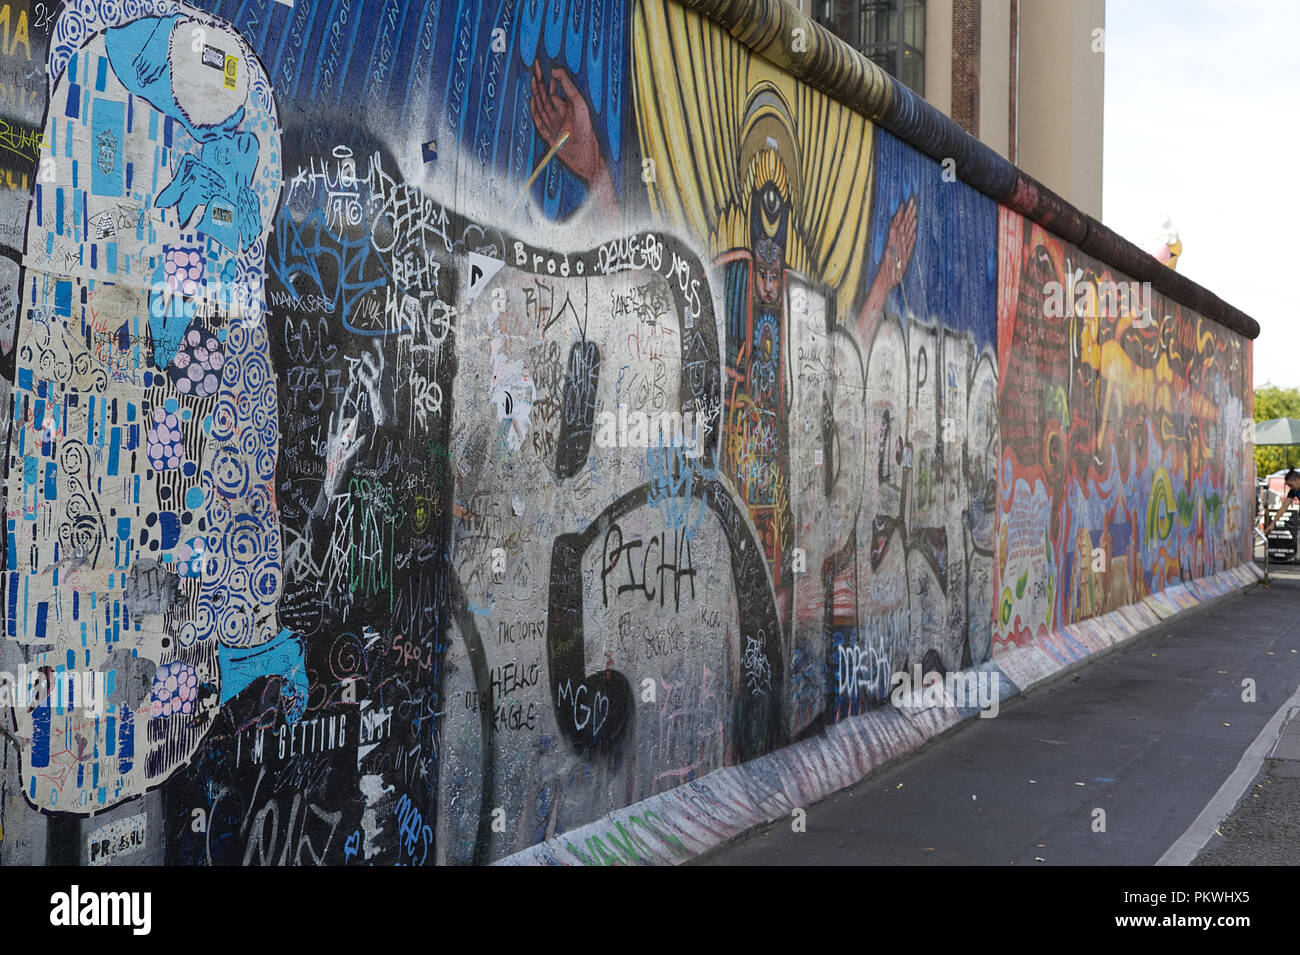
[(898, 255)]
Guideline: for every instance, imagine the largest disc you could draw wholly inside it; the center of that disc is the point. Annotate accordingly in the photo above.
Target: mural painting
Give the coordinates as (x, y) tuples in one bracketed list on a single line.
[(431, 431)]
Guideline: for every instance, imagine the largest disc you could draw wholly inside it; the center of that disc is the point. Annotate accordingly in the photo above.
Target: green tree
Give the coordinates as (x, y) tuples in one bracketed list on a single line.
[(1274, 402)]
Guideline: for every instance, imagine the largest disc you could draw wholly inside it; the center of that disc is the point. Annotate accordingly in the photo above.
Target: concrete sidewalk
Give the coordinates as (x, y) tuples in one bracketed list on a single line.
[(1147, 734)]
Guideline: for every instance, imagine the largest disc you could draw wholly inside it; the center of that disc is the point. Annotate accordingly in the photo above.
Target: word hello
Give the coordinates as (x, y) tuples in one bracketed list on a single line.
[(665, 429), (965, 689)]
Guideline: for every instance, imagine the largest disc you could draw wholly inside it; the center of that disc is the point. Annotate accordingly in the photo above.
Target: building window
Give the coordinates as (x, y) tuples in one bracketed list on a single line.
[(913, 54), (890, 33)]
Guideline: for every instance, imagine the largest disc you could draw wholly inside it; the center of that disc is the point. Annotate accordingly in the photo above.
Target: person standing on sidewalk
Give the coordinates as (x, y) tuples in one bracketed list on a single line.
[(1292, 479)]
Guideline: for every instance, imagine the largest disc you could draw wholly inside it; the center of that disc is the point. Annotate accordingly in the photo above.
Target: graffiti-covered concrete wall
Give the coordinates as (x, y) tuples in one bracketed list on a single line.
[(1122, 468), (437, 428)]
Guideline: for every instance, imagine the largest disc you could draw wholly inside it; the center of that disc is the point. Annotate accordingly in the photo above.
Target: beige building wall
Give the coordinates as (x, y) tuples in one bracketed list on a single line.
[(995, 74), (1061, 98), (938, 54)]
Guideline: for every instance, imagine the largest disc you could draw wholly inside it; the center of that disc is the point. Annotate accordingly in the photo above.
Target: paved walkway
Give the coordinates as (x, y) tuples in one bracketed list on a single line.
[(1149, 734)]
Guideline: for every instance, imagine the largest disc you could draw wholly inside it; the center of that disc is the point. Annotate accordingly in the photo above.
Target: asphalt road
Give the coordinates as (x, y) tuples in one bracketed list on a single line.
[(1157, 736)]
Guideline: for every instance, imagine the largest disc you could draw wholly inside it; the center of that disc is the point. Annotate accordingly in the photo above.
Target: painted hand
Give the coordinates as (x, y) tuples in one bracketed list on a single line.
[(900, 244), (248, 216), (370, 375), (555, 114), (194, 186), (150, 62)]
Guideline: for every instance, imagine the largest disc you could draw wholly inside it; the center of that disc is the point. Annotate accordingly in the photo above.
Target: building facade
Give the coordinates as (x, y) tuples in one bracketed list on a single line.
[(1024, 76)]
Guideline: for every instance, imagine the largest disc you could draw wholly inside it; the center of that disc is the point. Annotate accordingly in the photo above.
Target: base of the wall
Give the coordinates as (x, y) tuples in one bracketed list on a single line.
[(688, 821)]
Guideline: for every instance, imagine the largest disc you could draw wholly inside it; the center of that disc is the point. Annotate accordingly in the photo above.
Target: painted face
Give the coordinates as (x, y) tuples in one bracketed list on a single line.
[(769, 222), (767, 282), (769, 270)]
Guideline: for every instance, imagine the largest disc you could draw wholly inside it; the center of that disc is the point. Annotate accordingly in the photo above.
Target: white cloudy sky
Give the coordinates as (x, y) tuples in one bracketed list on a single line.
[(1202, 124)]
